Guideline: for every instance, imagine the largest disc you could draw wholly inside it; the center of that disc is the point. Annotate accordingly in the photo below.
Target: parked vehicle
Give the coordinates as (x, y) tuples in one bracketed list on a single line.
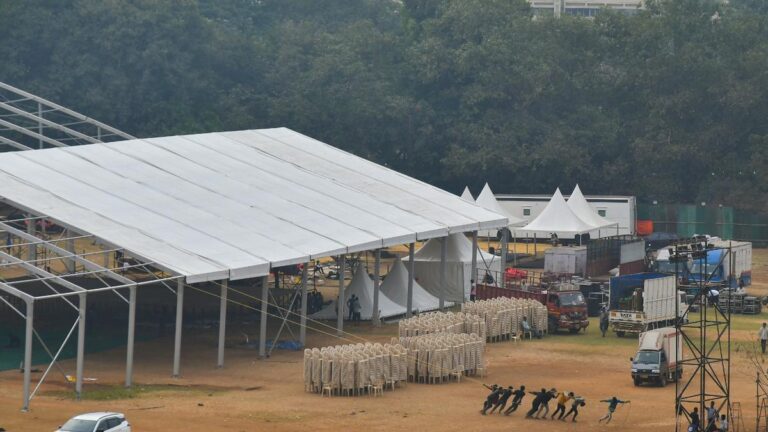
[(96, 422), (658, 357), (718, 264), (566, 307), (643, 301)]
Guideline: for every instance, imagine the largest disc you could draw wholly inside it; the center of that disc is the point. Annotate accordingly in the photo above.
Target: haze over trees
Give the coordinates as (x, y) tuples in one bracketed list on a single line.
[(670, 103)]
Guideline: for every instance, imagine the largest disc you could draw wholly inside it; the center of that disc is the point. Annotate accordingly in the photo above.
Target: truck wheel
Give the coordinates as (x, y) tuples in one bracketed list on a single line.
[(637, 382), (663, 380), (574, 330), (620, 333)]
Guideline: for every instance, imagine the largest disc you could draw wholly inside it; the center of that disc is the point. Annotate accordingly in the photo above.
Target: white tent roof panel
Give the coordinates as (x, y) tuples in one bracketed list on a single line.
[(487, 200), (557, 217), (579, 205), (230, 205)]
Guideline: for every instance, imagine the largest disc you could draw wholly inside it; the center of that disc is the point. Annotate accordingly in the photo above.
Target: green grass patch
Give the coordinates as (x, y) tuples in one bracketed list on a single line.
[(117, 392)]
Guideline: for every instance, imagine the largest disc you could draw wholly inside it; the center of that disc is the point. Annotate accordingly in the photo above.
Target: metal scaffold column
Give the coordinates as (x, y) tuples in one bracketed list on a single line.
[(704, 328)]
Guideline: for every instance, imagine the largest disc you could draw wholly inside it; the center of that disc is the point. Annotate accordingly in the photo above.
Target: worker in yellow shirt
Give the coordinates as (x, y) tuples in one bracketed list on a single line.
[(562, 399)]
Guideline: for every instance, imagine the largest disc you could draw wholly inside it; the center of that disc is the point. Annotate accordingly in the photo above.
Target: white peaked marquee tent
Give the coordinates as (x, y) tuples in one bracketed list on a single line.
[(581, 208), (487, 200), (458, 267), (362, 286), (557, 218), (395, 286), (467, 195)]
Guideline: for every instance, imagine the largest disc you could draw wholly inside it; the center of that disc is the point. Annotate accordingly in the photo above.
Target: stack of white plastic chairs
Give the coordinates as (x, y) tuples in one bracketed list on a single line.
[(442, 322), (434, 357), (353, 369), (503, 316)]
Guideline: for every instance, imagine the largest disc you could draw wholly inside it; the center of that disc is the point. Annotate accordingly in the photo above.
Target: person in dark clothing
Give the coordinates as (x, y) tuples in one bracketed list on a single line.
[(603, 321), (577, 402), (536, 403), (516, 401), (544, 407), (612, 404), (695, 421), (503, 398), (492, 398), (350, 302)]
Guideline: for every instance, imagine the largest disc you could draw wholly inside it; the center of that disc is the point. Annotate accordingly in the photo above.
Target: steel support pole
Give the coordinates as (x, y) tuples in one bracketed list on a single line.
[(473, 276), (264, 312), (131, 336), (222, 323), (409, 298), (340, 303), (80, 347), (504, 247), (303, 317), (32, 248), (179, 323), (28, 330), (69, 245), (443, 258), (376, 286)]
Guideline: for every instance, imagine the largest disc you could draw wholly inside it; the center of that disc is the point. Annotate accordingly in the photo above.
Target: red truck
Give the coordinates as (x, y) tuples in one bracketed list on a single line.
[(567, 309)]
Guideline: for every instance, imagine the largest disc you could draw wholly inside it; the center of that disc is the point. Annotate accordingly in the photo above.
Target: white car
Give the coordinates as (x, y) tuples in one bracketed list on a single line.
[(96, 422)]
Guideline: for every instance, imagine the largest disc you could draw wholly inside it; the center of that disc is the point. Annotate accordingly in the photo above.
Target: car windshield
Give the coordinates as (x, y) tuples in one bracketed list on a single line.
[(668, 267), (77, 425), (647, 357), (697, 269), (571, 299)]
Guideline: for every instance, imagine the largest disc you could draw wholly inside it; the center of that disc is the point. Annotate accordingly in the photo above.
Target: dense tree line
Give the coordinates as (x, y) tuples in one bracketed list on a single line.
[(668, 103)]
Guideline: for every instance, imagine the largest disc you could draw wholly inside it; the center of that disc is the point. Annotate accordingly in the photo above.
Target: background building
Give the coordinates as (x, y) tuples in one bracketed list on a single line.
[(582, 8)]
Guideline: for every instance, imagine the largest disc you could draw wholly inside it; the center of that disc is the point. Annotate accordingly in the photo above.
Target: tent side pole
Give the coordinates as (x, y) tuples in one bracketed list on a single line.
[(179, 322), (303, 317), (411, 266), (504, 247), (514, 245), (131, 336), (340, 302), (443, 258), (80, 347), (263, 317), (28, 352), (376, 283), (473, 278), (222, 323)]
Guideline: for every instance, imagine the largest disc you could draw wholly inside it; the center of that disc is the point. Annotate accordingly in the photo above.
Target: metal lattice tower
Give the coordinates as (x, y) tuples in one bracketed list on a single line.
[(30, 122), (705, 333)]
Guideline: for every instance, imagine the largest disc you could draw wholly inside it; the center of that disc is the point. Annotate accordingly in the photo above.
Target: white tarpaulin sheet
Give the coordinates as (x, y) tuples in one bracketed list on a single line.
[(361, 286), (458, 267), (395, 286), (232, 205)]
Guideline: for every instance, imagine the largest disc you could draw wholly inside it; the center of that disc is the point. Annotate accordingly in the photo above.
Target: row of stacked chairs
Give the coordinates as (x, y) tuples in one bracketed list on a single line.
[(355, 369), (503, 316), (440, 357), (442, 322)]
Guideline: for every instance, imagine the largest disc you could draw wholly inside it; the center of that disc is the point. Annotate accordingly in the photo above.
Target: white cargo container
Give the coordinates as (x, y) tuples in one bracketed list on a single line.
[(644, 301), (566, 259), (658, 357)]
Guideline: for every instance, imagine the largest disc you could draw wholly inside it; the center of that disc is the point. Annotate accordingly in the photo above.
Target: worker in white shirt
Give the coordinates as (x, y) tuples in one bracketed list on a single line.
[(763, 334)]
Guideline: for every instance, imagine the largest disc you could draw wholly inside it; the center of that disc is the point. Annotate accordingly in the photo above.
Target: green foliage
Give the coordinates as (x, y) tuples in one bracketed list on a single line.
[(668, 103)]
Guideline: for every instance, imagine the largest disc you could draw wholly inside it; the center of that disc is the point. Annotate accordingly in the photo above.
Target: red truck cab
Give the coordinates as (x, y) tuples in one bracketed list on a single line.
[(567, 310)]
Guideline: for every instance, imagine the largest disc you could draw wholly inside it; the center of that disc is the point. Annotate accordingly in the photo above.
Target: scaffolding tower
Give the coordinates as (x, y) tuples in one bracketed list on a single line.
[(704, 330), (30, 122)]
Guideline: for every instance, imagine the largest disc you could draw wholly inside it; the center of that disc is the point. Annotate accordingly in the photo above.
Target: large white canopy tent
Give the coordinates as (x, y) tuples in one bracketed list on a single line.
[(458, 274), (218, 206), (581, 208), (395, 286), (362, 286)]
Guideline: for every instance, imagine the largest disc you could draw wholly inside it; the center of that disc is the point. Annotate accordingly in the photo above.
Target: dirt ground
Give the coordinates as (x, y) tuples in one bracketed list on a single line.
[(249, 394)]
